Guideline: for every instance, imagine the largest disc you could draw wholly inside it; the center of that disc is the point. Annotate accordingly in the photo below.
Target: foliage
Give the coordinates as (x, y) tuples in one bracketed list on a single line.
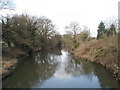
[(73, 29), (112, 29), (19, 30), (102, 31), (103, 51), (83, 36), (45, 32), (67, 41), (28, 33), (73, 43)]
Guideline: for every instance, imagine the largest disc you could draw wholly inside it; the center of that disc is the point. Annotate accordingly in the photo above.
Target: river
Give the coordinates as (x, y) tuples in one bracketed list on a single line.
[(57, 69)]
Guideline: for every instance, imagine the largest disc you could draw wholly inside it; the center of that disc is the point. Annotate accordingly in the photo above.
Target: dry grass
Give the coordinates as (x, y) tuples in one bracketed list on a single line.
[(9, 60), (103, 51), (7, 66)]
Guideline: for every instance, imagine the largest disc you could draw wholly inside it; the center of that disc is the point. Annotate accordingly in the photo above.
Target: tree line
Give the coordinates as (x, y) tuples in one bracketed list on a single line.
[(29, 33), (76, 35)]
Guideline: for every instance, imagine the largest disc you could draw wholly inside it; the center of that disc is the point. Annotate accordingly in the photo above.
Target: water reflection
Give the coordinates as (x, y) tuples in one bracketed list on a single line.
[(58, 69)]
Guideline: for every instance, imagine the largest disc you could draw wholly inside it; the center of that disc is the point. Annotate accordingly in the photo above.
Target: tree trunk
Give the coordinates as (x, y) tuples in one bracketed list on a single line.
[(9, 44)]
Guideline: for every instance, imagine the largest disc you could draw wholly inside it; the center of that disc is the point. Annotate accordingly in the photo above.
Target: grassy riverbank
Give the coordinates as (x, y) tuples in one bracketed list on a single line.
[(9, 60), (102, 51)]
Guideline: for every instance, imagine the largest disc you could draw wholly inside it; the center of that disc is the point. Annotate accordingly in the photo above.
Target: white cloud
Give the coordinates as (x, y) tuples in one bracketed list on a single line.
[(62, 12)]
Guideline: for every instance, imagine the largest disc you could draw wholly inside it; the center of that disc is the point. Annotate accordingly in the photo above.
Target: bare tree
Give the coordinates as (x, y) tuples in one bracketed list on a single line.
[(45, 30), (73, 29), (111, 21), (6, 4), (45, 27)]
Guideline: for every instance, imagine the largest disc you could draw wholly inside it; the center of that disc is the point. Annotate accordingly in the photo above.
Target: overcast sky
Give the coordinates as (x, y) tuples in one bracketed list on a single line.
[(62, 12)]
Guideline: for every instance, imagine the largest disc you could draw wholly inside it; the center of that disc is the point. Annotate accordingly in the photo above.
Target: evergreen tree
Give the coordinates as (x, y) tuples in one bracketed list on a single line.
[(112, 29), (101, 30)]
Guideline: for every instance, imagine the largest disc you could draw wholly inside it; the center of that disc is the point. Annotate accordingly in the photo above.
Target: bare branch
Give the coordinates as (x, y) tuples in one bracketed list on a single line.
[(6, 4)]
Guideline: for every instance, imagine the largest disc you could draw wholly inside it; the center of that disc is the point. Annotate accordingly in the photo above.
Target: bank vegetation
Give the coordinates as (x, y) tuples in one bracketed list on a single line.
[(102, 49), (23, 35)]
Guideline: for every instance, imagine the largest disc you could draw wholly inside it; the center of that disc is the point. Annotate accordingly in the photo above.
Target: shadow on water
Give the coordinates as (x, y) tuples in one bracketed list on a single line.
[(55, 69)]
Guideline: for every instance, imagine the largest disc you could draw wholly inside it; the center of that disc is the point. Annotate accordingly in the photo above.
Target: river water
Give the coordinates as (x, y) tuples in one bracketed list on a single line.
[(57, 69)]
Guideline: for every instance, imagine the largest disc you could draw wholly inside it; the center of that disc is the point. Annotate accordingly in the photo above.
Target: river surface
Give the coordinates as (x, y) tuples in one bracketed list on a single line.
[(57, 69)]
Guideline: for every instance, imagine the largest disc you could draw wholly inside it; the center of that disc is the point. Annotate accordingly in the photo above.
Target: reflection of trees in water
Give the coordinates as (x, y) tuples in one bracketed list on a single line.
[(105, 77), (41, 66), (78, 69), (56, 51), (82, 67), (32, 70)]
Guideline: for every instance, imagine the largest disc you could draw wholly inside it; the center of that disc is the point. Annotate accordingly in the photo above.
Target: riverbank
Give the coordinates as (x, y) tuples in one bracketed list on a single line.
[(103, 51), (9, 60)]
